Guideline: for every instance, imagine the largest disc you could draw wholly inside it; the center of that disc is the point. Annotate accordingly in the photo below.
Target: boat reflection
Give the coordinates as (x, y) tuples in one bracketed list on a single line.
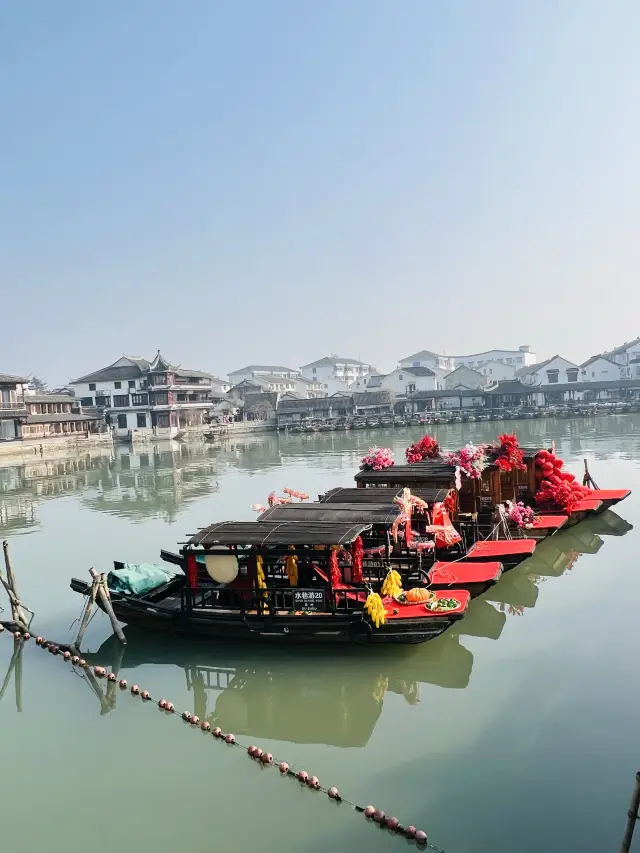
[(264, 691), (267, 693)]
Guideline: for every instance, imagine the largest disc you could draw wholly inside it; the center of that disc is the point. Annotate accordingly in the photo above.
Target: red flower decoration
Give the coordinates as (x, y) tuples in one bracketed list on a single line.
[(509, 455), (426, 448)]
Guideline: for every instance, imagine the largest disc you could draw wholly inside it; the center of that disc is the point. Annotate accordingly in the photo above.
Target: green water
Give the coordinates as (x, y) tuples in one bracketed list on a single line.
[(515, 732)]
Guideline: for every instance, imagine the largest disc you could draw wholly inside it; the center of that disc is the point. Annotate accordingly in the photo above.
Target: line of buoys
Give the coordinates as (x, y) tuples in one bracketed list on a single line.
[(266, 759)]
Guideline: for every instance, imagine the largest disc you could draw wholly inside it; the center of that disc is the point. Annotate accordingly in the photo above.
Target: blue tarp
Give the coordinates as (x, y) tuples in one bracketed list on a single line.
[(139, 579)]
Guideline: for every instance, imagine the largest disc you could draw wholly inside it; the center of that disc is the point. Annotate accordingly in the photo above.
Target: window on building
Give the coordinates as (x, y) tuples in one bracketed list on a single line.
[(139, 399), (120, 400), (163, 420), (86, 401), (491, 370), (92, 386), (415, 364), (122, 421), (400, 377), (572, 375), (132, 383), (593, 373), (552, 376), (314, 370), (141, 420), (117, 384), (411, 388), (160, 399)]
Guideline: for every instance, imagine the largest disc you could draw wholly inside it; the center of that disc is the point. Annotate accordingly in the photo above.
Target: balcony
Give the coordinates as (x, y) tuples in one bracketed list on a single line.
[(12, 410)]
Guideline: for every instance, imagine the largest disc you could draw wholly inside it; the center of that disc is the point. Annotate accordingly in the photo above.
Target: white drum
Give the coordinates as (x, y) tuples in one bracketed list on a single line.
[(222, 568)]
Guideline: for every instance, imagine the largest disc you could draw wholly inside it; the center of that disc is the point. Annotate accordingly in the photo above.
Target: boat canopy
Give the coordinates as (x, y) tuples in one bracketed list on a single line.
[(277, 533), (347, 513), (430, 471), (381, 495)]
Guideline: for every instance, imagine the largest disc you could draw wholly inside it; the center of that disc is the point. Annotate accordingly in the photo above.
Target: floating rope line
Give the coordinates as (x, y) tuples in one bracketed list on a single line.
[(265, 759)]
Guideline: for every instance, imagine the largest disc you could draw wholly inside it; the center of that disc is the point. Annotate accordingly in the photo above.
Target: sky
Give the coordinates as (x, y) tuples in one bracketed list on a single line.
[(272, 182)]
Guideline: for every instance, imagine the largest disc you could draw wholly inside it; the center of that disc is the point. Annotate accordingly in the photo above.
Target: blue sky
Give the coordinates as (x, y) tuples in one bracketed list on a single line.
[(273, 181)]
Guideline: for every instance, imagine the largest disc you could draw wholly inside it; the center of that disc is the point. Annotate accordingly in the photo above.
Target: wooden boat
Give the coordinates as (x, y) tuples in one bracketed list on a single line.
[(256, 600)]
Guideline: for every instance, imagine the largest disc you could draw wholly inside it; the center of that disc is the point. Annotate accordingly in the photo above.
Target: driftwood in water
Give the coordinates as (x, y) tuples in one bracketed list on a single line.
[(86, 614), (15, 666), (632, 817), (18, 610), (105, 598)]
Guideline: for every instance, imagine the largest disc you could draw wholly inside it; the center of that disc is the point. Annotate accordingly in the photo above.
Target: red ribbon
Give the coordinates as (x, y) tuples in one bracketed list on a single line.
[(334, 568), (356, 570), (192, 570)]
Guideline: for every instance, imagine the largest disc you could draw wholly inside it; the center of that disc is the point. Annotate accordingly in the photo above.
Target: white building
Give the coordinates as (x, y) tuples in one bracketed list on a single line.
[(404, 381), (302, 388), (252, 371), (140, 395), (497, 371), (426, 358), (522, 357), (625, 355), (554, 371), (599, 368), (335, 367), (464, 377)]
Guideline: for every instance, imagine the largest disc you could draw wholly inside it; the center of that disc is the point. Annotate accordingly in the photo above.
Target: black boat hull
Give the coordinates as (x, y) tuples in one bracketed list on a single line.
[(319, 628)]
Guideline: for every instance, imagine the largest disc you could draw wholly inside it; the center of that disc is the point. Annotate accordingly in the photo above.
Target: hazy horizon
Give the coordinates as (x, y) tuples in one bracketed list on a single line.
[(269, 183)]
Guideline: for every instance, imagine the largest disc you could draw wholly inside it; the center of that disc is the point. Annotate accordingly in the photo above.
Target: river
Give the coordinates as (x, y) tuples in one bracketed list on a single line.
[(517, 731)]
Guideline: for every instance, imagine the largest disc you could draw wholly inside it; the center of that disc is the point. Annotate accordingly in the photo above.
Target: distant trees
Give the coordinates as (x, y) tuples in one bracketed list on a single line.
[(37, 384)]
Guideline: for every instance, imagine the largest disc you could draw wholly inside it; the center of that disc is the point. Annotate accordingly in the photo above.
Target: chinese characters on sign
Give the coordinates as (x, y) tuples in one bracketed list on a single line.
[(308, 599)]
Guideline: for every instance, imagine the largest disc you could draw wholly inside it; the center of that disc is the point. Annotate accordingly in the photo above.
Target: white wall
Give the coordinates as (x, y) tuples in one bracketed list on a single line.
[(540, 377), (399, 380), (240, 375), (345, 371), (132, 421), (82, 388), (444, 362), (497, 371), (337, 386), (601, 370), (516, 358)]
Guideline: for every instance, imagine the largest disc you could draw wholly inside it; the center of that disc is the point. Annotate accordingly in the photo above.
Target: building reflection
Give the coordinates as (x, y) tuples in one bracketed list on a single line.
[(157, 481)]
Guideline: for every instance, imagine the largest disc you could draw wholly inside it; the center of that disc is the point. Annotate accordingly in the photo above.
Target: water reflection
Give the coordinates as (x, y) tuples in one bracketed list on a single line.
[(135, 484), (160, 480), (265, 693)]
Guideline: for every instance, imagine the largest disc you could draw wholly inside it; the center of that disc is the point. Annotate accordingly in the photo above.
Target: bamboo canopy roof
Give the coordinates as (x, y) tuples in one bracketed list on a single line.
[(277, 533), (347, 513), (431, 471), (381, 495)]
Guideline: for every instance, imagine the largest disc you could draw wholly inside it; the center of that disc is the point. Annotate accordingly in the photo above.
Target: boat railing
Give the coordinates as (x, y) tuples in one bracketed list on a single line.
[(274, 600)]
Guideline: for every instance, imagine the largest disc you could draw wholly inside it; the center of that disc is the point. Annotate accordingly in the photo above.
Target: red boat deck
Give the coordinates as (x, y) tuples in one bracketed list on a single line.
[(494, 549), (464, 573), (587, 506), (609, 496), (549, 522), (419, 611)]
